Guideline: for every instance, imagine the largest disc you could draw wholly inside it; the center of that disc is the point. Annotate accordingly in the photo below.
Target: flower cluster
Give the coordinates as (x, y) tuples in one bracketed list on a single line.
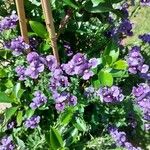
[(120, 139), (32, 122), (125, 28), (136, 61), (38, 100), (145, 2), (142, 97), (17, 45), (80, 65), (9, 22), (6, 143), (89, 91), (36, 65), (61, 96), (110, 94), (145, 38)]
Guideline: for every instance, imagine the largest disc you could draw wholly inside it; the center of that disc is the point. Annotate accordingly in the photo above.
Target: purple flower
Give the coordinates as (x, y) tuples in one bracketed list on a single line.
[(32, 122), (125, 28), (136, 62), (9, 22), (60, 106), (11, 125), (145, 2), (39, 100), (34, 69), (93, 62), (120, 139), (6, 143), (51, 62), (20, 70), (69, 68), (110, 95), (17, 45), (145, 37), (32, 56), (87, 74), (79, 59), (141, 90), (72, 100)]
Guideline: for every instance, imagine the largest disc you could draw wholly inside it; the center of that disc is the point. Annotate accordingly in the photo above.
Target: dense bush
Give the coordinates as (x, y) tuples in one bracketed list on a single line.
[(98, 97)]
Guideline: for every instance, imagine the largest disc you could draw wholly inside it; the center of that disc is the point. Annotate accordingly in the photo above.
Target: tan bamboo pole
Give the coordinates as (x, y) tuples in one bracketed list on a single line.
[(22, 20), (46, 6)]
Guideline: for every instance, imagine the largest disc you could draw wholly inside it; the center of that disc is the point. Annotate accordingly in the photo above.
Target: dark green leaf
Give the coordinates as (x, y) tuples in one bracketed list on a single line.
[(80, 124), (5, 99), (71, 3), (9, 113), (56, 140), (102, 7), (3, 73), (96, 2), (39, 29)]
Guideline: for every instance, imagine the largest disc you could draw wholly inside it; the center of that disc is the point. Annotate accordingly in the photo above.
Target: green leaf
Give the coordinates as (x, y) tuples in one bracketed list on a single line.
[(9, 113), (5, 99), (105, 78), (71, 3), (56, 140), (3, 73), (39, 29), (79, 124), (73, 134), (96, 83), (67, 116), (20, 143), (29, 113), (96, 2), (44, 46), (120, 65), (102, 7), (112, 50), (19, 118), (118, 73)]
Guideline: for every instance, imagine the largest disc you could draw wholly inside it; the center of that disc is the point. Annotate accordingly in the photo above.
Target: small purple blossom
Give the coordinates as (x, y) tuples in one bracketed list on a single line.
[(72, 100), (89, 91), (20, 70), (51, 62), (9, 22), (60, 106), (32, 122), (36, 65), (11, 125), (136, 62), (6, 143), (17, 45), (141, 90), (110, 95), (125, 28), (145, 2), (39, 100)]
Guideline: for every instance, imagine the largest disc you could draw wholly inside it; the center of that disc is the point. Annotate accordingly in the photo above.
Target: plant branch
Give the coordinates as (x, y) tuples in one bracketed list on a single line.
[(22, 21), (64, 22), (50, 27)]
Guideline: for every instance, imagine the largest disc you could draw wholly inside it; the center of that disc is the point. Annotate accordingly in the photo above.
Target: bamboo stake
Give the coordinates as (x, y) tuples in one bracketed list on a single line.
[(22, 21), (50, 27)]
